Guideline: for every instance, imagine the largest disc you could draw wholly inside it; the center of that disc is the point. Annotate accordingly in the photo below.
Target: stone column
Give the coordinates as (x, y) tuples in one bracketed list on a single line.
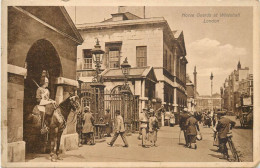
[(69, 139), (14, 121), (59, 94)]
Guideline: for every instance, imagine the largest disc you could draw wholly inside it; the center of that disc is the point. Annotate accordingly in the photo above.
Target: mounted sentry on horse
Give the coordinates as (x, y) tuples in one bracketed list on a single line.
[(53, 118)]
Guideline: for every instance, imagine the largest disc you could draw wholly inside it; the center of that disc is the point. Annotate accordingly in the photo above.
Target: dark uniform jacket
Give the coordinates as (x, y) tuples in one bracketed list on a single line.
[(183, 119), (223, 127), (191, 125)]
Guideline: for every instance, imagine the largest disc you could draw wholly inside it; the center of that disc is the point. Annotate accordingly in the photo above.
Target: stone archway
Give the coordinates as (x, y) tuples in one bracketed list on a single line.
[(41, 56)]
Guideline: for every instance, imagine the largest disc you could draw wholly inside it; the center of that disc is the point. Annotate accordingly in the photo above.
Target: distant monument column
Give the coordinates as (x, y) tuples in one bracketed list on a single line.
[(195, 82)]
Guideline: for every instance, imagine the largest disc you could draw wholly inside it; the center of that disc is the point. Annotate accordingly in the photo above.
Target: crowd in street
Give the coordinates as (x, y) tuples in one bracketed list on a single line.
[(221, 127), (149, 126)]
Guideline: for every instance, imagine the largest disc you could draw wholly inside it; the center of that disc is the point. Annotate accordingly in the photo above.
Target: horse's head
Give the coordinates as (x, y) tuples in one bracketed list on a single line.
[(74, 101)]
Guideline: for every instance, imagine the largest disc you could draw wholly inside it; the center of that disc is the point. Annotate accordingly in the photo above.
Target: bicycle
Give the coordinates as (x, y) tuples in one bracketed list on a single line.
[(232, 148)]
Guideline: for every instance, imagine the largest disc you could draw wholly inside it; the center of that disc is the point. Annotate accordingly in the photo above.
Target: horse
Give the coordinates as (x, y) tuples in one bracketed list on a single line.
[(56, 123)]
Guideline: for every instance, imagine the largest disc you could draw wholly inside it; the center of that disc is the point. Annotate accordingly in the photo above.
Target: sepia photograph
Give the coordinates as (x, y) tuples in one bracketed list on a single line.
[(129, 85)]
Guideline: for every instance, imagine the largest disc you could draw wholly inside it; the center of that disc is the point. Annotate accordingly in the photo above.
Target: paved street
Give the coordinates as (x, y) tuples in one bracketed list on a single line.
[(243, 139), (169, 149)]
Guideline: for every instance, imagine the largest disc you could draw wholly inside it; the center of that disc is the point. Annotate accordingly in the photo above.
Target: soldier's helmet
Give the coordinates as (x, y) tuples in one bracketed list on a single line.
[(44, 77)]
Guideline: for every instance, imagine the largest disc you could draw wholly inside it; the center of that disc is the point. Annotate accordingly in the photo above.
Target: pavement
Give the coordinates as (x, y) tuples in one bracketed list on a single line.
[(169, 149), (243, 140)]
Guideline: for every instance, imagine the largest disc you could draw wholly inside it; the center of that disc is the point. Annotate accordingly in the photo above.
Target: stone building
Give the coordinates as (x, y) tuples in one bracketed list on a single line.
[(208, 103), (39, 38), (233, 86), (148, 43)]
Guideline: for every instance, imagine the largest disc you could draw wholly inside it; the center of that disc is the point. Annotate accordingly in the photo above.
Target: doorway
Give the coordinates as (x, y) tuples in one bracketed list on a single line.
[(41, 56)]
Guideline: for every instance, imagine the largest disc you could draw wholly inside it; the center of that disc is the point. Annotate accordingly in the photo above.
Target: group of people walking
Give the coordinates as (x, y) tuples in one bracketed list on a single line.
[(221, 126), (148, 128)]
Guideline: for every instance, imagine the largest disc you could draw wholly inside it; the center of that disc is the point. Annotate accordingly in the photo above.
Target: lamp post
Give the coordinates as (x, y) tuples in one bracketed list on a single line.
[(125, 90), (97, 83), (97, 55), (125, 70)]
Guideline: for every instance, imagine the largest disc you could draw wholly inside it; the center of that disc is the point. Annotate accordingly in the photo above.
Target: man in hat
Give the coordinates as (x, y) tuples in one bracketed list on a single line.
[(183, 118), (108, 122), (144, 120), (88, 127), (120, 130), (223, 126), (191, 131)]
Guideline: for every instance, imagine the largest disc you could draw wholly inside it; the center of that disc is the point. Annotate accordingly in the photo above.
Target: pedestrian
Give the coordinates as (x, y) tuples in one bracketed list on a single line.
[(108, 122), (214, 119), (120, 130), (144, 120), (223, 127), (192, 128), (88, 127), (172, 120), (153, 128), (183, 118)]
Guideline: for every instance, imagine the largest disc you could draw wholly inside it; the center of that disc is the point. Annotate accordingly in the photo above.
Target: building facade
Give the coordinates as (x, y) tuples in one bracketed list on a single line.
[(39, 38), (208, 103), (147, 43), (238, 83)]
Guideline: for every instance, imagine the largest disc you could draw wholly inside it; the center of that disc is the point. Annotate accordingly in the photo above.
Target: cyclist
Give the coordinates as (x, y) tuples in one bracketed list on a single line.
[(222, 128)]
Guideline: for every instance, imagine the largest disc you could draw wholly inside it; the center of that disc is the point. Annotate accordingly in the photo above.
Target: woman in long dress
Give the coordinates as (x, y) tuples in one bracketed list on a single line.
[(153, 128)]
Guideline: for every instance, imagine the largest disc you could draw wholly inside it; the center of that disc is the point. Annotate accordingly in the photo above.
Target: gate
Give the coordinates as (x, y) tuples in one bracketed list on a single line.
[(126, 103), (100, 100)]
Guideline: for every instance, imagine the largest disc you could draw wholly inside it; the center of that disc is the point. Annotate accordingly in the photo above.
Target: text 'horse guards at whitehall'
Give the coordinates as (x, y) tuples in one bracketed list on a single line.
[(54, 117)]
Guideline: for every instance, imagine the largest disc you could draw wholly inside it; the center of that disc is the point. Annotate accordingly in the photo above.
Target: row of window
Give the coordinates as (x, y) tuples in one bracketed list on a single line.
[(113, 56)]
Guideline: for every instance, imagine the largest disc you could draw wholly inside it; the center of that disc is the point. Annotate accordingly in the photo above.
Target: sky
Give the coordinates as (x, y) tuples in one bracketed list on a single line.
[(211, 47)]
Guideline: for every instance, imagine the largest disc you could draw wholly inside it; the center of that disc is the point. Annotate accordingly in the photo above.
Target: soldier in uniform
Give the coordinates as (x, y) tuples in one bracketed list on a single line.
[(183, 118), (222, 128), (45, 104)]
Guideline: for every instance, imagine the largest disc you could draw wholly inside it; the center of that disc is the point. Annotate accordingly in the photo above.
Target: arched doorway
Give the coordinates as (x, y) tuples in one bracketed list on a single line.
[(41, 56)]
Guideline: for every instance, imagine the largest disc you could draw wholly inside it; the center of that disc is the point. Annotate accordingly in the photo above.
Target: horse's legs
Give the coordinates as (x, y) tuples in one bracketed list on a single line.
[(58, 144), (53, 134)]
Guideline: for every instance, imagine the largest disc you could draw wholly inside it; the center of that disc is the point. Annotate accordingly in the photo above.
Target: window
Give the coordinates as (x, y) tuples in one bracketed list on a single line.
[(114, 58), (165, 59), (113, 50), (141, 56), (87, 63)]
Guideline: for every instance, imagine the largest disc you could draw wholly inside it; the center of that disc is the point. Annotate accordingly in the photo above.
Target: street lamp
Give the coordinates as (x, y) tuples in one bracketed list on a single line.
[(97, 84), (97, 54), (125, 91), (126, 71)]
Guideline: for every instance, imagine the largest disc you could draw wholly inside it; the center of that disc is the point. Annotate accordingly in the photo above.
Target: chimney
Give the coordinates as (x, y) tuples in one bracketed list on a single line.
[(136, 10)]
